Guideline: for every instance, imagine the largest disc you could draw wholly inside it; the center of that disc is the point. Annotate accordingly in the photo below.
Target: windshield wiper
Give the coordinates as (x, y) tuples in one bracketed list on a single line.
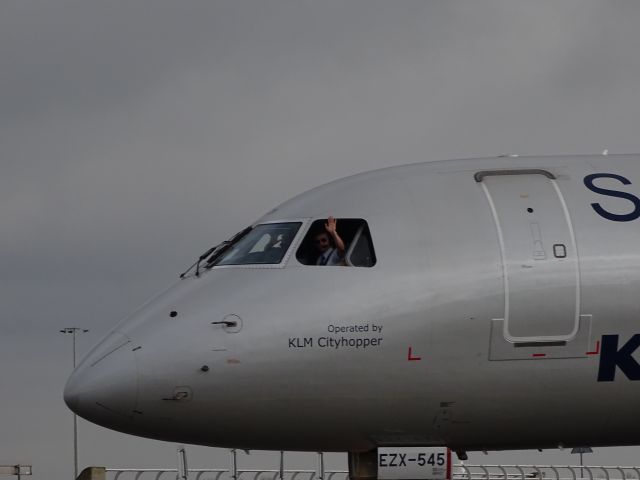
[(224, 246), (214, 252), (197, 262)]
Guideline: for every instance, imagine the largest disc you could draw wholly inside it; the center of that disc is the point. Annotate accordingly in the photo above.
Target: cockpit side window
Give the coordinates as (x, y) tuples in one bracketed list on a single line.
[(355, 234), (360, 253), (264, 244)]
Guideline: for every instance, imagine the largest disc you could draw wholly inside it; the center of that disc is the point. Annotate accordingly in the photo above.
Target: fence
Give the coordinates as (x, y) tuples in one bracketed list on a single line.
[(222, 474), (460, 472), (544, 472)]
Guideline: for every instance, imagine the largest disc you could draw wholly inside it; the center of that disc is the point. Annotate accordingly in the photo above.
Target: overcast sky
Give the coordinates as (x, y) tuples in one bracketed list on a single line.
[(135, 134)]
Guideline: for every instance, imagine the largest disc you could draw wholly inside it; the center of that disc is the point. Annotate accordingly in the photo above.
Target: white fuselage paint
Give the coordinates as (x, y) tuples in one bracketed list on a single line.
[(481, 326)]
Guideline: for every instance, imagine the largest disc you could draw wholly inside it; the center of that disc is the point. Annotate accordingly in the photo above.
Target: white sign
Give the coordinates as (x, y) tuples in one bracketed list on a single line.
[(414, 463)]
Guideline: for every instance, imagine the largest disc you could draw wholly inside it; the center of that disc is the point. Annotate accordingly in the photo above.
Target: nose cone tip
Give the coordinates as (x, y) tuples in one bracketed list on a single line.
[(103, 389), (70, 394)]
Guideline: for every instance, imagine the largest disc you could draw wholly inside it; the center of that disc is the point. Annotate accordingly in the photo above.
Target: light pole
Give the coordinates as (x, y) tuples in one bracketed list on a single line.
[(73, 331), (581, 451)]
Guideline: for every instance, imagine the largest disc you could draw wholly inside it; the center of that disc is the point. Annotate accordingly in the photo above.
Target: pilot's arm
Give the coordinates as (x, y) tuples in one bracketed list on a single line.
[(330, 227)]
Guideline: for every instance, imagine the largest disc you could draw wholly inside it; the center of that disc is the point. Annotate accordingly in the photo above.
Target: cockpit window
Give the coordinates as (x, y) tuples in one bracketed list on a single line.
[(264, 244), (355, 235)]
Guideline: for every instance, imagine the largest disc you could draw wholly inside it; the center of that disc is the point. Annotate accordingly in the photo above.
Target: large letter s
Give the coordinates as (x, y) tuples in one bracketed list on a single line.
[(588, 181)]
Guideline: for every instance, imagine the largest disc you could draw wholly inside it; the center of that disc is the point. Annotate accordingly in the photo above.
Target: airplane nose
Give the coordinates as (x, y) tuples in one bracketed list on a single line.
[(104, 387)]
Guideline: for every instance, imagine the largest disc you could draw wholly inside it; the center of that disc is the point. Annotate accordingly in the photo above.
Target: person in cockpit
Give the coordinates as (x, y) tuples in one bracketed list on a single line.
[(329, 245)]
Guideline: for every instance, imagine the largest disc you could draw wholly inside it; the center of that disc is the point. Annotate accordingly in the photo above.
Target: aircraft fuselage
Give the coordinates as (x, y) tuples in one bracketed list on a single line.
[(502, 312)]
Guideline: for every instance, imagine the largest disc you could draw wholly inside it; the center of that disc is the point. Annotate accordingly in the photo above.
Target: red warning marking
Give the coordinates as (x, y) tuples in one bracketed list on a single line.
[(597, 350), (410, 356), (539, 355)]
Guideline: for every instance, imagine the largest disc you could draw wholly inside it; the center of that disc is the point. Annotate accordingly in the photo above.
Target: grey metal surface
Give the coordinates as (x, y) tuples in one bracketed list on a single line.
[(530, 218), (581, 346), (297, 376)]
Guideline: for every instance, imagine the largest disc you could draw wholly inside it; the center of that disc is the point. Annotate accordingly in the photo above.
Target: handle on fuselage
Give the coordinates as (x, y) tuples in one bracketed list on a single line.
[(226, 323)]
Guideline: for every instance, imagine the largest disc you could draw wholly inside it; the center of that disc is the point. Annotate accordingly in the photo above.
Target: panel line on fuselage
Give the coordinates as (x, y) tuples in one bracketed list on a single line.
[(576, 257), (503, 257)]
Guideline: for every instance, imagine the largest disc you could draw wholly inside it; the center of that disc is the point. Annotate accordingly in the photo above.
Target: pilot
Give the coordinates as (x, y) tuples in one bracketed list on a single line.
[(329, 245)]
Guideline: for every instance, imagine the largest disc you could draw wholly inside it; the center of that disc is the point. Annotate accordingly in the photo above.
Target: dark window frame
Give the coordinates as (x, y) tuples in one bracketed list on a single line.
[(351, 230)]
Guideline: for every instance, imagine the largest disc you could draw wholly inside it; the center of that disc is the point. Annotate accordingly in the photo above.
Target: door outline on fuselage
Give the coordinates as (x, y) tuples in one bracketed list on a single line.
[(566, 268)]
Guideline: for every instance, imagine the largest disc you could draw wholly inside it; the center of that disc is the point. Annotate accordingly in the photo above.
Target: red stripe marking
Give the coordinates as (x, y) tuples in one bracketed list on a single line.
[(597, 350), (539, 355), (410, 356)]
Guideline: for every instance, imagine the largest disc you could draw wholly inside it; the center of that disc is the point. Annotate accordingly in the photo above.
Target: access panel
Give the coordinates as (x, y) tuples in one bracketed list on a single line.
[(539, 255)]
